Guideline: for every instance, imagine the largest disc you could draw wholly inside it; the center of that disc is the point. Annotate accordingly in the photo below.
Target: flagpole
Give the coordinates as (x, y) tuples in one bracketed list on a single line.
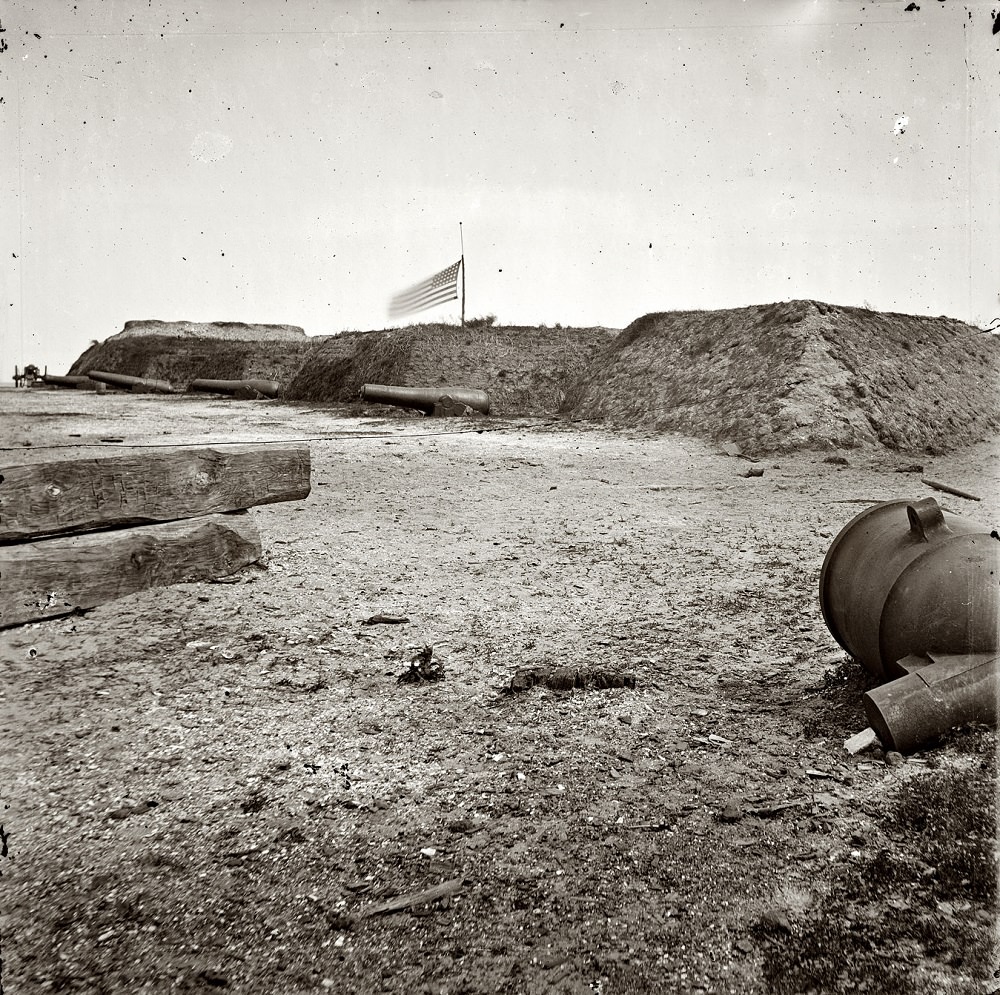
[(462, 262)]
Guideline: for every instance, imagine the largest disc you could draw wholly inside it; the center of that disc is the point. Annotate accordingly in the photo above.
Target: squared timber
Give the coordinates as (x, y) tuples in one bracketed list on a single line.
[(57, 576), (151, 485)]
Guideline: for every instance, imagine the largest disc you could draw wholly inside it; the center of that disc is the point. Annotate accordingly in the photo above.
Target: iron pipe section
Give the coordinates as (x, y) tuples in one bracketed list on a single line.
[(938, 692), (425, 398)]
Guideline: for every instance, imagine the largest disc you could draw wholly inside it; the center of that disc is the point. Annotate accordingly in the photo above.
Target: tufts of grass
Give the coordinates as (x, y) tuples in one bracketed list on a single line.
[(913, 916)]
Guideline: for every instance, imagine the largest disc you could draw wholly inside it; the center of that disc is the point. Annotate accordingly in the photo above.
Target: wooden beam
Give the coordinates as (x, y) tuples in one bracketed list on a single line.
[(150, 485), (54, 577)]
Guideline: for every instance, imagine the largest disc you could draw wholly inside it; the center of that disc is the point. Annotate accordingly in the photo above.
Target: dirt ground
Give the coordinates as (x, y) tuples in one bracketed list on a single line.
[(224, 785)]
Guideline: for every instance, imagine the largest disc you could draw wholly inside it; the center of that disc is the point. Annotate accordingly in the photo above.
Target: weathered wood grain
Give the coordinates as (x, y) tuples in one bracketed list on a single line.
[(57, 576), (150, 485)]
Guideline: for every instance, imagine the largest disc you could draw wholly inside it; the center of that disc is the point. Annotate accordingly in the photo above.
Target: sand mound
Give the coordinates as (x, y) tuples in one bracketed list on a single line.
[(226, 330), (181, 359), (797, 375), (525, 370), (773, 378)]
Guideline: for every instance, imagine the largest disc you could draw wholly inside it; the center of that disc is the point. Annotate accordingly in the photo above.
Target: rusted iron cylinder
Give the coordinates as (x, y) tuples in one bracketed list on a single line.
[(238, 388), (138, 385), (903, 578), (424, 398), (940, 692)]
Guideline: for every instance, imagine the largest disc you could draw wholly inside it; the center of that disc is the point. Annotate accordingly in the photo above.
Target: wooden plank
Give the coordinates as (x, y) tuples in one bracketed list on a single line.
[(150, 485), (57, 576)]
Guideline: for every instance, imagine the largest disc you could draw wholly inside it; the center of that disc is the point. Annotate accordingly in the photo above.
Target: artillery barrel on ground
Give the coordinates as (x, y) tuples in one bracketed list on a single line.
[(238, 388), (137, 385), (72, 382), (426, 398)]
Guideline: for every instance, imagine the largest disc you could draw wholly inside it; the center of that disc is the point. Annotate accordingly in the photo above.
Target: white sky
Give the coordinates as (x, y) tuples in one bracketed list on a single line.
[(299, 162)]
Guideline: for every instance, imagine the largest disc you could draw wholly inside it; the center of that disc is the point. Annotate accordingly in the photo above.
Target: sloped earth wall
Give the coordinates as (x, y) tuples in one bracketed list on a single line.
[(771, 378), (180, 360), (230, 330), (525, 370), (799, 375)]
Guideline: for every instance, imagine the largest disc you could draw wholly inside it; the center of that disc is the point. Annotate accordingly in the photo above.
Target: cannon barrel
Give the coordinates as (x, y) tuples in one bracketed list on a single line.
[(137, 385), (238, 388), (426, 398), (55, 381)]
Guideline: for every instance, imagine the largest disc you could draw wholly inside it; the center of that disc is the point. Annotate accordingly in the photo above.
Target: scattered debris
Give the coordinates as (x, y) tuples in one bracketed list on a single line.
[(569, 678), (948, 489), (423, 668), (386, 620), (861, 741), (733, 449), (126, 810), (443, 890), (769, 811)]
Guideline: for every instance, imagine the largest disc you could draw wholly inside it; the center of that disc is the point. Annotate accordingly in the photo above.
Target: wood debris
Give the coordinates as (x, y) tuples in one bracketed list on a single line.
[(443, 890), (569, 678)]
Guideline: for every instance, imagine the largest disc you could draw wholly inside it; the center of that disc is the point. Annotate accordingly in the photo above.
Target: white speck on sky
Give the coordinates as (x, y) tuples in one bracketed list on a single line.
[(301, 162)]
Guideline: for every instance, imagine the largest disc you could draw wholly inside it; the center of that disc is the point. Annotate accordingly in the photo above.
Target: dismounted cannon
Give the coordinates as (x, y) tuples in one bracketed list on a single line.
[(242, 389), (430, 400), (138, 385), (913, 594), (67, 382)]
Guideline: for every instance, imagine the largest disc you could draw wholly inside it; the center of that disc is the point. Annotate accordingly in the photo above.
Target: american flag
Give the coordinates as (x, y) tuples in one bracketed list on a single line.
[(435, 289)]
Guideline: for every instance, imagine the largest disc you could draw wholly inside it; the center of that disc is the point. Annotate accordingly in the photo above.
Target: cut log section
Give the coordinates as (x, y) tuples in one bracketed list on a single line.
[(154, 485), (47, 579)]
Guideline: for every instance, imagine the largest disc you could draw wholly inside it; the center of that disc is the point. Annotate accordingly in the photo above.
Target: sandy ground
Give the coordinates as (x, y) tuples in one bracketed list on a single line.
[(213, 785)]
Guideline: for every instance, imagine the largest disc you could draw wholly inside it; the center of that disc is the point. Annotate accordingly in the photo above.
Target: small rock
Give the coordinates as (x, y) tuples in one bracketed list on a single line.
[(836, 460), (754, 471), (732, 810), (861, 741), (894, 759), (625, 719), (775, 920)]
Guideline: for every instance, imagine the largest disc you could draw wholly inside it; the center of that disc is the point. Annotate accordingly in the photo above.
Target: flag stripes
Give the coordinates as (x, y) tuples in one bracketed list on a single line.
[(435, 289)]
